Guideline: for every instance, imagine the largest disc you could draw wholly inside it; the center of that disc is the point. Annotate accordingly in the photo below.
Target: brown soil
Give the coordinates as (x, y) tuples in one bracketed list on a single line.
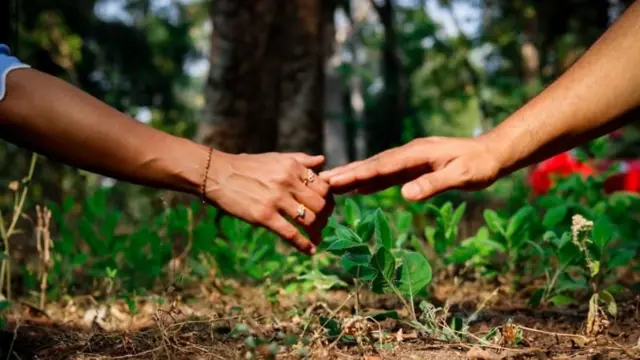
[(200, 325)]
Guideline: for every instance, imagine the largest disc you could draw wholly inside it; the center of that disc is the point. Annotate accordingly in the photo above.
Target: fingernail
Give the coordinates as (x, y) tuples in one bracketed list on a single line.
[(313, 250), (410, 191)]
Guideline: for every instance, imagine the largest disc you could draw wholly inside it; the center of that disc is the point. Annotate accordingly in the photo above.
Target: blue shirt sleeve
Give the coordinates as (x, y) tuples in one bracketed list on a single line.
[(7, 63)]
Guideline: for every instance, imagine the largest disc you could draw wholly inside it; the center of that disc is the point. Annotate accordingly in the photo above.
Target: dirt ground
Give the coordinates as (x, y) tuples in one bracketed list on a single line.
[(204, 323)]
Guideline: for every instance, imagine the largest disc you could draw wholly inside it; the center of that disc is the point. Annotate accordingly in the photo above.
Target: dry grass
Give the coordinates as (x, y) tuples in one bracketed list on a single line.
[(201, 325)]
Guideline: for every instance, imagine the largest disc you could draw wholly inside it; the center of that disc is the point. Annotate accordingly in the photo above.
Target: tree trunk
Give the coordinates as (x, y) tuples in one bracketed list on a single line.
[(241, 94), (385, 121), (8, 23), (309, 36), (5, 21), (265, 86)]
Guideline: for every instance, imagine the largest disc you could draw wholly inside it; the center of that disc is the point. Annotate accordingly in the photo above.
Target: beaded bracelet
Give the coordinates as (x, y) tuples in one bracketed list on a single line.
[(203, 190)]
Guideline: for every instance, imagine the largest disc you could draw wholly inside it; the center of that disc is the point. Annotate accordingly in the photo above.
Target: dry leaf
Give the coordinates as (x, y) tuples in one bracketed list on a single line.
[(477, 353)]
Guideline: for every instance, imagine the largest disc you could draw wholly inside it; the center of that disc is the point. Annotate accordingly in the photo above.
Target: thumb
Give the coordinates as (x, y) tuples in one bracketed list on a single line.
[(308, 160), (430, 184)]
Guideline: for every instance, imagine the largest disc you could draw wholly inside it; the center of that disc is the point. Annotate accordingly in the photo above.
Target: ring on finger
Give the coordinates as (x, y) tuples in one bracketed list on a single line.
[(310, 177), (301, 211)]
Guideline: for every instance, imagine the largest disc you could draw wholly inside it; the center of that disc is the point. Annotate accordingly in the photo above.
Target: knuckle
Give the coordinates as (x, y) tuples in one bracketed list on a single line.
[(263, 213), (465, 173), (323, 189), (290, 164), (322, 204), (309, 218), (274, 199), (282, 178), (290, 233)]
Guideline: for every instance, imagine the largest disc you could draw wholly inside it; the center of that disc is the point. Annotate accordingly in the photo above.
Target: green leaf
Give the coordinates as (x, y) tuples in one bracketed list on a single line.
[(351, 260), (602, 232), (447, 211), (339, 247), (560, 300), (4, 256), (493, 221), (490, 335), (554, 216), (333, 327), (457, 324), (429, 208), (415, 275), (519, 221), (535, 299), (458, 214), (563, 240), (322, 281), (345, 233), (392, 314), (357, 265), (404, 221), (549, 237), (609, 300), (351, 212), (429, 234), (383, 232), (567, 283), (4, 304), (384, 262), (365, 228), (621, 257), (594, 268), (462, 254)]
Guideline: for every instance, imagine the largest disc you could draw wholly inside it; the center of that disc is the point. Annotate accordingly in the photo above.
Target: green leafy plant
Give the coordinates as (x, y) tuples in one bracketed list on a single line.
[(443, 235), (511, 234), (378, 264)]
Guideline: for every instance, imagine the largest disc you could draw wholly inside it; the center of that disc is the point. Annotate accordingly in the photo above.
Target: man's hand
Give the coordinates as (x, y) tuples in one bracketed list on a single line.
[(426, 166)]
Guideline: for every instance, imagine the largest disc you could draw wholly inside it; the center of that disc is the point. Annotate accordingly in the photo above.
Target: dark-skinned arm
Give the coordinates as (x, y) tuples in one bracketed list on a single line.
[(56, 119)]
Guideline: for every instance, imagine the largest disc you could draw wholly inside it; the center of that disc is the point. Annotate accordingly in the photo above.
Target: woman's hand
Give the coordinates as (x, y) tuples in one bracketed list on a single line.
[(426, 166), (264, 188)]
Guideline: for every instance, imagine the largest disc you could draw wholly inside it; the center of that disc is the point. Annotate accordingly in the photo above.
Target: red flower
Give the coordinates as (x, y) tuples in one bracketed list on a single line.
[(616, 134), (628, 179), (562, 165)]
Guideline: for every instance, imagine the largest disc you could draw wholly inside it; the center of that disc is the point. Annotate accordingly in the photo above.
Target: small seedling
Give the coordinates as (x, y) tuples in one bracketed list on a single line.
[(378, 265)]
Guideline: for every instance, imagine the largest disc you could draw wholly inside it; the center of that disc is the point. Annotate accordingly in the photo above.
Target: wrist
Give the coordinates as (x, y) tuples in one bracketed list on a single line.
[(188, 163), (508, 144)]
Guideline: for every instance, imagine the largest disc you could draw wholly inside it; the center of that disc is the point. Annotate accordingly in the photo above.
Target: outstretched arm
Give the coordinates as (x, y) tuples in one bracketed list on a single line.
[(48, 115), (599, 93)]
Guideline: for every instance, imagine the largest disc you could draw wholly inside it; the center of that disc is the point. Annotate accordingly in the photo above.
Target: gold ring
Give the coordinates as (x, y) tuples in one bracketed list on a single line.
[(301, 211), (310, 177)]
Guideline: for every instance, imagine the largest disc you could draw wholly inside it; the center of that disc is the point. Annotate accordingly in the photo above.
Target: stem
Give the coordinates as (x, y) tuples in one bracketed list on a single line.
[(6, 233), (552, 283), (43, 290), (357, 282), (404, 302)]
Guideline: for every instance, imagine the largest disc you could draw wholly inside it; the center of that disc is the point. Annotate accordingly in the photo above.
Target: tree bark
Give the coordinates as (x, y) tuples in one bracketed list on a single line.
[(385, 121), (241, 94), (310, 38), (265, 89)]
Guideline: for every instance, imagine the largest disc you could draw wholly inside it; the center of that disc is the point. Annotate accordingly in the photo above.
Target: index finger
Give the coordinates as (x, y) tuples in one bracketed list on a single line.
[(383, 164)]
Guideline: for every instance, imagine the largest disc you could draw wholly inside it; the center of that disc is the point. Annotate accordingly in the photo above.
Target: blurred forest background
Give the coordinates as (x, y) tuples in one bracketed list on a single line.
[(348, 78)]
